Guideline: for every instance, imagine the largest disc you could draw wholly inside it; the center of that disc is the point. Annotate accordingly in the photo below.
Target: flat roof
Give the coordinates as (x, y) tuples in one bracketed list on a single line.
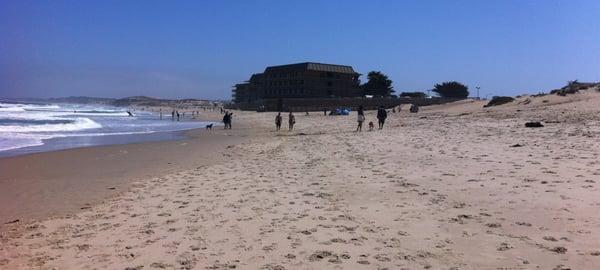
[(314, 66)]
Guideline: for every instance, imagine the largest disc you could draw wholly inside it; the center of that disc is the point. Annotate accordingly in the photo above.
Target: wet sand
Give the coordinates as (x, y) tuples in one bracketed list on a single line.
[(42, 185), (455, 186)]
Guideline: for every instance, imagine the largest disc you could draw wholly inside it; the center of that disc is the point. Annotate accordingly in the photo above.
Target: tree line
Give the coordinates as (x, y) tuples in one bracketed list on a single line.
[(379, 85)]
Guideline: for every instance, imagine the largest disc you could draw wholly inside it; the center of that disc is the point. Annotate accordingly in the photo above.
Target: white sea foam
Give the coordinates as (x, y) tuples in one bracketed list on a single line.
[(11, 109), (15, 141), (76, 124), (23, 107), (25, 125)]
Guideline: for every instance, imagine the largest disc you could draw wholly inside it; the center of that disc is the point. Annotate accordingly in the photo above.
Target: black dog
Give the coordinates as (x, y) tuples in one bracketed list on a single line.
[(209, 126)]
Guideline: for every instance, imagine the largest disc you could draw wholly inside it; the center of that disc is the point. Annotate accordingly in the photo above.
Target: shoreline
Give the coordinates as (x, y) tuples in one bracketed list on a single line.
[(66, 143), (42, 185), (84, 140)]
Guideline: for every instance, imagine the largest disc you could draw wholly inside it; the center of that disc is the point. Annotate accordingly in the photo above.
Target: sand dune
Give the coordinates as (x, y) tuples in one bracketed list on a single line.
[(455, 186)]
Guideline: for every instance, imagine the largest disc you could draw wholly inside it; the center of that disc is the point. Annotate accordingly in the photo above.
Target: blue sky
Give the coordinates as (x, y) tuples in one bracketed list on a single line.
[(199, 49)]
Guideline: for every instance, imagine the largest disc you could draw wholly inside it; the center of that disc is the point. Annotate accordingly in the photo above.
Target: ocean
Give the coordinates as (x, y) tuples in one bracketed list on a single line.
[(30, 128)]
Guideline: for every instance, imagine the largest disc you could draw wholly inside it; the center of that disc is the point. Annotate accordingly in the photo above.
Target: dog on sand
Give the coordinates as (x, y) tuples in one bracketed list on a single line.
[(371, 126), (209, 126)]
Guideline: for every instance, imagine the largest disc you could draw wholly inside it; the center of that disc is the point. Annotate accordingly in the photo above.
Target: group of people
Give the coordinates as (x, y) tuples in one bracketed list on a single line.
[(381, 116), (227, 119), (173, 113), (291, 121)]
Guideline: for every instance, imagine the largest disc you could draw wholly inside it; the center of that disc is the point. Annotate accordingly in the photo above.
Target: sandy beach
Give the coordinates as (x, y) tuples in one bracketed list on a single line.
[(58, 182), (455, 186)]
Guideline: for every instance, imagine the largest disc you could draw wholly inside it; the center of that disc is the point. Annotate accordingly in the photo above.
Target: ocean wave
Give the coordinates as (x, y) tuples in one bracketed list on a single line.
[(11, 109), (22, 107), (30, 125), (16, 141), (78, 113), (79, 123), (27, 121)]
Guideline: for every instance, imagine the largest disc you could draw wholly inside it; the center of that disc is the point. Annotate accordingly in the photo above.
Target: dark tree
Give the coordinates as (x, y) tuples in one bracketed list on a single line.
[(378, 84), (452, 90), (413, 94)]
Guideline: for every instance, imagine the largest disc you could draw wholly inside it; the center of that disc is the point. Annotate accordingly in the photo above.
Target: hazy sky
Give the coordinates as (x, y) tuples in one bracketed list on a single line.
[(199, 49)]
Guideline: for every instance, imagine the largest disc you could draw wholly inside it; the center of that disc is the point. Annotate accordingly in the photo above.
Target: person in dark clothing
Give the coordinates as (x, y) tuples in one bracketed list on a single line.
[(173, 115), (278, 120), (291, 120), (325, 111), (414, 108), (227, 120), (381, 116), (177, 112), (361, 118)]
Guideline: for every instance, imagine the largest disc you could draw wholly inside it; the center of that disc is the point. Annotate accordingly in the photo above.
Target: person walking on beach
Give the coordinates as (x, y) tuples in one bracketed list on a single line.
[(226, 119), (291, 120), (360, 118), (177, 112), (381, 116), (173, 115), (278, 120)]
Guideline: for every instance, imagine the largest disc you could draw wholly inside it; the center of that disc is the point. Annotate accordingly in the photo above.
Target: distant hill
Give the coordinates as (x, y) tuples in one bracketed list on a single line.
[(81, 100), (150, 101), (121, 102)]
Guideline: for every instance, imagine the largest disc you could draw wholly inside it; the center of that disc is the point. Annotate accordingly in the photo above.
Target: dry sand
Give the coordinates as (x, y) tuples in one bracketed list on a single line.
[(455, 186)]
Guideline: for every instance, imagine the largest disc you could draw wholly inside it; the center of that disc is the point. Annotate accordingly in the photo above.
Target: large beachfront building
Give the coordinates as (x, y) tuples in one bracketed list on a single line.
[(302, 80)]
